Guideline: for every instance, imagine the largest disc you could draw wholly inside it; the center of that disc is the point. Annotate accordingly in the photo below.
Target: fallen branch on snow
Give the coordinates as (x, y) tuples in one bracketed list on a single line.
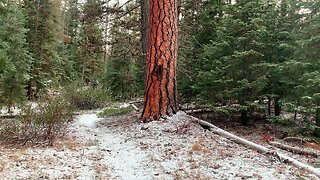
[(298, 139), (257, 147), (135, 107), (294, 149), (199, 111)]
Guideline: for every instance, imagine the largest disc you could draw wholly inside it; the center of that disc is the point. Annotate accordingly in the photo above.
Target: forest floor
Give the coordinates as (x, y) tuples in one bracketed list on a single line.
[(121, 147)]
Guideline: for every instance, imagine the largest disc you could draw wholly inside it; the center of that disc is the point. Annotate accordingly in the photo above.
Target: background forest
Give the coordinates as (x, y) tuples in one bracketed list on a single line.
[(250, 58)]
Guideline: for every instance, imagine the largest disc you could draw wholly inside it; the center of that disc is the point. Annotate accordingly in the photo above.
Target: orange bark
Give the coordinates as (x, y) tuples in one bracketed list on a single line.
[(160, 90)]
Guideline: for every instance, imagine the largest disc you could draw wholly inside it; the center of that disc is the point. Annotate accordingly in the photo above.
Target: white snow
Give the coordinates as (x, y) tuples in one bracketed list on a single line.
[(123, 148), (88, 120)]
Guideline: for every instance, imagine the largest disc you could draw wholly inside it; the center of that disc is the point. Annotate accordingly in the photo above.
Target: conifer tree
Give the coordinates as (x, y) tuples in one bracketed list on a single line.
[(14, 55), (124, 68), (72, 40), (308, 54), (91, 42), (160, 91), (44, 39)]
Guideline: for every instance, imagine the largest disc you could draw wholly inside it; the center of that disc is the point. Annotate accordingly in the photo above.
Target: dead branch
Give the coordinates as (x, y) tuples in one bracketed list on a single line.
[(136, 101), (135, 107), (294, 139), (258, 148), (199, 111), (294, 149)]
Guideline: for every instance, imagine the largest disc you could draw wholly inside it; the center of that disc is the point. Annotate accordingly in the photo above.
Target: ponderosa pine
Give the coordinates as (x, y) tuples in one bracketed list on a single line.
[(160, 91)]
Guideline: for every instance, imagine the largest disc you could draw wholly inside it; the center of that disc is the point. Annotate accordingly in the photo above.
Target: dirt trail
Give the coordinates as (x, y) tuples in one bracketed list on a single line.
[(122, 148)]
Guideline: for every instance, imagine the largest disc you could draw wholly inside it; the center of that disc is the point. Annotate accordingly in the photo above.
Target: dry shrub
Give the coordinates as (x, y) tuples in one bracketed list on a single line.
[(38, 126), (198, 146)]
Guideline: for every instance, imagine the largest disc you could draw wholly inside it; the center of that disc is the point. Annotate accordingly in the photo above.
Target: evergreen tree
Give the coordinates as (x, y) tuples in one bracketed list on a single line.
[(308, 54), (91, 42), (14, 55), (44, 38), (124, 68), (72, 40), (189, 25)]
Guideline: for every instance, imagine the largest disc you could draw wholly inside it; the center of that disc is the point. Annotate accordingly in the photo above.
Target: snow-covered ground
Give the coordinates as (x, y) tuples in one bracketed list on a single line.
[(123, 148)]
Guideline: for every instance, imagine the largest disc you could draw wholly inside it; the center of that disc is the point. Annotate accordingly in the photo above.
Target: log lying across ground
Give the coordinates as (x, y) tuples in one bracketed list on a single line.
[(294, 149), (261, 149)]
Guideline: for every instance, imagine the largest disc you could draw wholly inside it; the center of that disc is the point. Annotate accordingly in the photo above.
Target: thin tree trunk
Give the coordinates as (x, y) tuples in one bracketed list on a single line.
[(244, 117), (269, 105), (318, 116), (296, 111), (145, 14), (160, 90), (277, 106)]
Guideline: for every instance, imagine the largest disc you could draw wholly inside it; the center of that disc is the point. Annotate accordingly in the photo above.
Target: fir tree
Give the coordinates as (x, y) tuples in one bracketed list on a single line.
[(14, 55), (124, 68), (44, 39), (91, 42)]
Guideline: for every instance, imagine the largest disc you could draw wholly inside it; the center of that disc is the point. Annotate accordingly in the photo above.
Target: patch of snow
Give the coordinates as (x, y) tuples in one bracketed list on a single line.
[(122, 148), (88, 120), (16, 110), (124, 105)]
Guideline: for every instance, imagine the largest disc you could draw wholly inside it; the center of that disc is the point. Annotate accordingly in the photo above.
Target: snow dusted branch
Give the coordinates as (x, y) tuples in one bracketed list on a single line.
[(257, 147)]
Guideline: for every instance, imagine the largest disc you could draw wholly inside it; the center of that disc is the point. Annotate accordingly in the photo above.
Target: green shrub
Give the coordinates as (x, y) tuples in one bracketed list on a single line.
[(115, 111), (40, 125), (281, 121), (86, 98)]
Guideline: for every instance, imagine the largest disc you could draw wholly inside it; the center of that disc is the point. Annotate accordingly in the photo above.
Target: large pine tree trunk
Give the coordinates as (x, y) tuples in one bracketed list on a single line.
[(160, 90)]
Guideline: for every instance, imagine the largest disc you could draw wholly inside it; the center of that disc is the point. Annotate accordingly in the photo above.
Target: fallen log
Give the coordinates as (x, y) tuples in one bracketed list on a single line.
[(294, 149), (261, 149)]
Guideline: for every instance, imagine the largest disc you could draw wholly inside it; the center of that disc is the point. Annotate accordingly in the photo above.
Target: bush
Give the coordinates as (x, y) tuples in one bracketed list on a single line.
[(38, 126), (86, 98), (115, 111), (287, 122)]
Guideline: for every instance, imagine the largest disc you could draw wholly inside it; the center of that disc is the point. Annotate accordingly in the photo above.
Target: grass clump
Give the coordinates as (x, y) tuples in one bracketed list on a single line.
[(39, 125), (115, 111)]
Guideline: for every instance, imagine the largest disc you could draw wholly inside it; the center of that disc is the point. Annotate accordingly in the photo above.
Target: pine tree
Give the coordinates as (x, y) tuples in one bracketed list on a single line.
[(14, 55), (160, 91), (308, 38), (189, 25), (91, 42), (72, 40), (124, 68), (44, 39)]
